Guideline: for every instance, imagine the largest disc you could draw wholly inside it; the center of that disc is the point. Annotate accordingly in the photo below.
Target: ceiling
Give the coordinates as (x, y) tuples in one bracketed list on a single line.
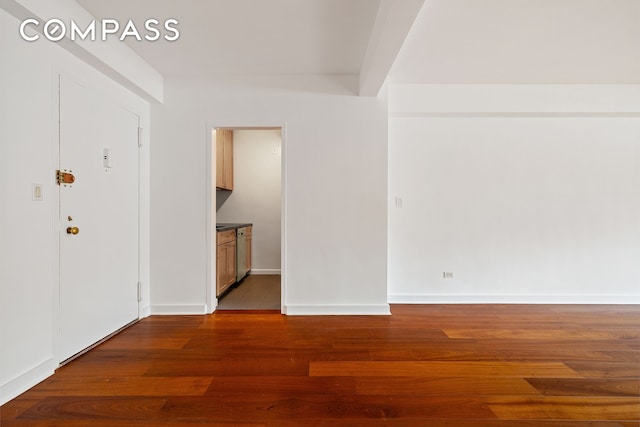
[(522, 42), (451, 41), (250, 37)]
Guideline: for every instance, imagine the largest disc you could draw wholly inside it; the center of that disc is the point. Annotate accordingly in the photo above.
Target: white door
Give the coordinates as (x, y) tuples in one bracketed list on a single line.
[(99, 264)]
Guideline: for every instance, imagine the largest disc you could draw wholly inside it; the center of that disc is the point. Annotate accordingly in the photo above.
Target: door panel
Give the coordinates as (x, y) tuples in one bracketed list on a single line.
[(99, 265)]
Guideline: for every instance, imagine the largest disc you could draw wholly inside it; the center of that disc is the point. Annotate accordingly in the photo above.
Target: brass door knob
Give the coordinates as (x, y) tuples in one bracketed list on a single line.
[(73, 230)]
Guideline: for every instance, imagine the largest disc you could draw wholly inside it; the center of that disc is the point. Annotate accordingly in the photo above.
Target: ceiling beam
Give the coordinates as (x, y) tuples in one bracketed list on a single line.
[(393, 22), (112, 57)]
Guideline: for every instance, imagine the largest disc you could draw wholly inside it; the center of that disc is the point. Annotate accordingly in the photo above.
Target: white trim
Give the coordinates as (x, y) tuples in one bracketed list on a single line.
[(328, 310), (265, 271), (283, 217), (145, 311), (538, 99), (211, 301), (139, 212), (513, 299), (512, 115), (55, 210), (178, 309), (18, 385)]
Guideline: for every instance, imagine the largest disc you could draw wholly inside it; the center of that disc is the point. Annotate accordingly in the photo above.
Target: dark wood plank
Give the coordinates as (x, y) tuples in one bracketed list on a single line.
[(566, 408), (257, 366), (131, 423), (123, 386), (586, 386), (327, 405), (527, 331), (295, 386), (431, 422), (81, 408), (607, 370), (442, 369), (506, 350), (415, 386)]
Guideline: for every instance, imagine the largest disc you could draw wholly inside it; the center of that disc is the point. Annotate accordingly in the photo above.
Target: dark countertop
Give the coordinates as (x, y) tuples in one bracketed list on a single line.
[(231, 226)]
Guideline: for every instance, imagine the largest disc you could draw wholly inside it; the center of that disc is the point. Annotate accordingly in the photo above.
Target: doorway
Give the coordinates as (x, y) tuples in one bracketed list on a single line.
[(255, 199)]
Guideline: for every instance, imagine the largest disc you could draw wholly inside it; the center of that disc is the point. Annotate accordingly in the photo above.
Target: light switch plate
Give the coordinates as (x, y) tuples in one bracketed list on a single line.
[(36, 192)]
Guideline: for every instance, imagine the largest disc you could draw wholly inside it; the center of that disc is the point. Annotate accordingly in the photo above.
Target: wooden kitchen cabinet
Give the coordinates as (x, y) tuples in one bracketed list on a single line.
[(226, 260), (224, 159)]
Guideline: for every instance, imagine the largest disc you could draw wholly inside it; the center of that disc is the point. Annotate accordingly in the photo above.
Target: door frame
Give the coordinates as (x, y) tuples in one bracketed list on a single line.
[(211, 301), (57, 74)]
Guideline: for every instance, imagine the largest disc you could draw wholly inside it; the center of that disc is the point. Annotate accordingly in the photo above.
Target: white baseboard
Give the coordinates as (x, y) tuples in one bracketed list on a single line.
[(15, 387), (265, 271), (328, 310), (514, 299), (178, 309), (145, 311)]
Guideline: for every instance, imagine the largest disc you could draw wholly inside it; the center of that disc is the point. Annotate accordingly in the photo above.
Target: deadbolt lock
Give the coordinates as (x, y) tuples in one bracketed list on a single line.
[(64, 177)]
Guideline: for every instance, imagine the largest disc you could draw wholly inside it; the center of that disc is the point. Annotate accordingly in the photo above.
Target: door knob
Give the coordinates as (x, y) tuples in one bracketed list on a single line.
[(73, 230)]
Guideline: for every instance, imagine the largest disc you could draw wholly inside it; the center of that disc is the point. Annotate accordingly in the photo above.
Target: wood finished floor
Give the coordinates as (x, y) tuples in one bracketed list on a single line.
[(426, 365)]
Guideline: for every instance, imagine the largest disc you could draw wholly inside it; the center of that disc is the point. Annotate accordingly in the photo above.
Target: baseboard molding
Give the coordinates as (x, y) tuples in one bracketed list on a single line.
[(328, 310), (15, 387), (514, 299), (177, 309), (265, 271), (145, 311)]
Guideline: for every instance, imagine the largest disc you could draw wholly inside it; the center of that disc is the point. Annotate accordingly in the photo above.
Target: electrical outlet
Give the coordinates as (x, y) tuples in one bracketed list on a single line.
[(447, 275)]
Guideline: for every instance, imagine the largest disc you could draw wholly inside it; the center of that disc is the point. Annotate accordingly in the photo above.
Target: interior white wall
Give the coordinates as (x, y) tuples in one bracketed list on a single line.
[(336, 162), (522, 204), (256, 196), (28, 229)]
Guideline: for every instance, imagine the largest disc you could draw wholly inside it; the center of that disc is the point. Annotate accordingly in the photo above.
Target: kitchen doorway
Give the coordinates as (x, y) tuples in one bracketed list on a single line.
[(246, 217)]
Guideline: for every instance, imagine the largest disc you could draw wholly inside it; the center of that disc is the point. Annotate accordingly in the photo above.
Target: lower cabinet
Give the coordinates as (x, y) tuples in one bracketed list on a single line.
[(226, 260)]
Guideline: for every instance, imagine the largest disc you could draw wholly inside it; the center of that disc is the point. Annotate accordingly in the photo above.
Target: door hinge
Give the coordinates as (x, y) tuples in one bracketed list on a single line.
[(139, 291), (139, 137)]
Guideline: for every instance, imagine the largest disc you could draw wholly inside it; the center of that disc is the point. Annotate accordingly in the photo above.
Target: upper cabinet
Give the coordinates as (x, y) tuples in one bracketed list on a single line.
[(224, 159)]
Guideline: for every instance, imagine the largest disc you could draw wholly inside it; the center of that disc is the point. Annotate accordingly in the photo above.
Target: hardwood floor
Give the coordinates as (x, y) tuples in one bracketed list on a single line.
[(426, 365)]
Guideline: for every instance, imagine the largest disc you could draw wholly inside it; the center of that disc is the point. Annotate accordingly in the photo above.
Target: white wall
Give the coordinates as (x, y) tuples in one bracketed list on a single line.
[(28, 229), (256, 196), (522, 200), (336, 159)]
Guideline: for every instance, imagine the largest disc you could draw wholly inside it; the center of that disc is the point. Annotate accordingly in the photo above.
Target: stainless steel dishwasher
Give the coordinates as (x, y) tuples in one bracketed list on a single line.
[(241, 253)]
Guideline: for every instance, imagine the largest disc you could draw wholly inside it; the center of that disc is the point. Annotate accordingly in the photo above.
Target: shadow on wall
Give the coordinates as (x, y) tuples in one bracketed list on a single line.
[(221, 198)]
